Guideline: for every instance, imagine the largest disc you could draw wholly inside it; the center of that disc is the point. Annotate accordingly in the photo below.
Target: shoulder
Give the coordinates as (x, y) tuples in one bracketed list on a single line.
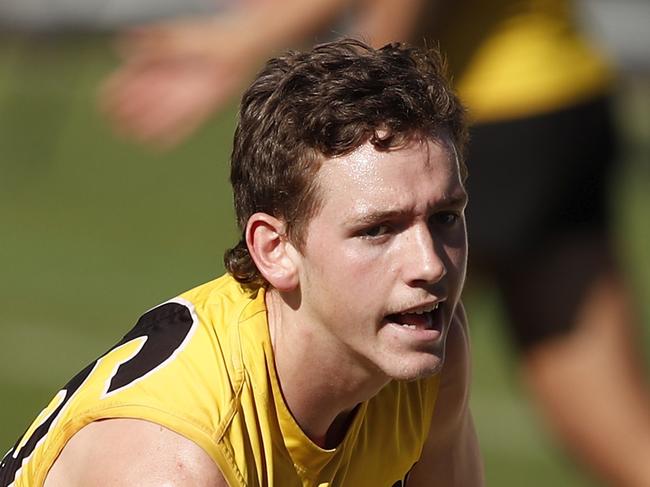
[(132, 452), (163, 371), (451, 450)]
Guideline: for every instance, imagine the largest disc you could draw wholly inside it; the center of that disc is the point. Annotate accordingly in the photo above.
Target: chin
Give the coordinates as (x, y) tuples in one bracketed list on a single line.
[(420, 368)]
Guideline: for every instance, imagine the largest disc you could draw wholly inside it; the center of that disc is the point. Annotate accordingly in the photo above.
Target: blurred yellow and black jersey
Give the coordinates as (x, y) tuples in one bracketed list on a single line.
[(202, 365), (515, 58)]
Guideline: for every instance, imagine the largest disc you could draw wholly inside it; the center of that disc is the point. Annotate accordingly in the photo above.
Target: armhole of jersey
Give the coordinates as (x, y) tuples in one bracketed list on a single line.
[(198, 434)]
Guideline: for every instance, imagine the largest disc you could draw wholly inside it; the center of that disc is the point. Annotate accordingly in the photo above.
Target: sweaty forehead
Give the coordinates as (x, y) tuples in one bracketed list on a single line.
[(412, 179), (369, 169)]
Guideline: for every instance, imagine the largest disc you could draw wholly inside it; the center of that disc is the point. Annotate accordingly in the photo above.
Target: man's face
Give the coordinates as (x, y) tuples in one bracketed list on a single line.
[(383, 263)]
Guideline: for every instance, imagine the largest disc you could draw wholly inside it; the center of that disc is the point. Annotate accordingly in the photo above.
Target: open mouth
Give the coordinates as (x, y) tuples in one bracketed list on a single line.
[(424, 318)]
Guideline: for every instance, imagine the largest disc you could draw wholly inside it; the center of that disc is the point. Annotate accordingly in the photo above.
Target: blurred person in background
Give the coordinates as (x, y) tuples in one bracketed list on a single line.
[(541, 161), (541, 155), (175, 74)]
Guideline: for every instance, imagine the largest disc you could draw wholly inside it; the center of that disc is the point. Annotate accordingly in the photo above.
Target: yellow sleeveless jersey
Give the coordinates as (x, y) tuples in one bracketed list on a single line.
[(202, 365), (516, 58)]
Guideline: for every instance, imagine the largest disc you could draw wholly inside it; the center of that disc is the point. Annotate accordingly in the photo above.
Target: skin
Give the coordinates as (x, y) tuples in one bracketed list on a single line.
[(389, 236), (125, 452)]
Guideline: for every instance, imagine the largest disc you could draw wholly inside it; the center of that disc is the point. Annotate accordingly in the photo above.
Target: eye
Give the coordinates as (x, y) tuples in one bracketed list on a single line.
[(445, 218), (376, 231)]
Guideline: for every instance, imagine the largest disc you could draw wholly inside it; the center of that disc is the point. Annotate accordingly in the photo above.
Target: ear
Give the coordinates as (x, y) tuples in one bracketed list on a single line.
[(271, 251)]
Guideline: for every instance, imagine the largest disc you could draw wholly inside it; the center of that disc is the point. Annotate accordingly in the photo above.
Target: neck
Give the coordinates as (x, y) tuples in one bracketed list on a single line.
[(321, 385)]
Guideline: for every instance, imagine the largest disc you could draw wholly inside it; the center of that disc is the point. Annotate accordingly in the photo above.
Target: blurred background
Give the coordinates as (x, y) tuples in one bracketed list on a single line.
[(95, 229)]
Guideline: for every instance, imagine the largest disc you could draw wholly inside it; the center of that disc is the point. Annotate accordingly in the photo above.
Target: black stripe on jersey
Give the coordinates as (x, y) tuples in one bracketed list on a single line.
[(10, 464), (165, 327)]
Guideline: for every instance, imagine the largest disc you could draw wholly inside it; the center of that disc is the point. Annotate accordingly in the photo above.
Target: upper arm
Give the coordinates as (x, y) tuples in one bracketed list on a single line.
[(124, 452), (451, 452)]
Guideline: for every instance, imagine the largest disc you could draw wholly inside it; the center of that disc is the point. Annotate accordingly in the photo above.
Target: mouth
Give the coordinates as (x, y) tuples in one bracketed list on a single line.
[(425, 318)]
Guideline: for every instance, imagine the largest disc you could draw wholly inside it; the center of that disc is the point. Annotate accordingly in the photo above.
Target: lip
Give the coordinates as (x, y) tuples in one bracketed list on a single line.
[(420, 334), (413, 309)]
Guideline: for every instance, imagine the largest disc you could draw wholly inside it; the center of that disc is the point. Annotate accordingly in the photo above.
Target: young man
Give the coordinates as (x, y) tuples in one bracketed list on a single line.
[(335, 350)]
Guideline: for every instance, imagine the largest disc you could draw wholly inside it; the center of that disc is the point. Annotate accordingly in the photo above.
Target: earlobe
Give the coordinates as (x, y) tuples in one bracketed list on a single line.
[(271, 251)]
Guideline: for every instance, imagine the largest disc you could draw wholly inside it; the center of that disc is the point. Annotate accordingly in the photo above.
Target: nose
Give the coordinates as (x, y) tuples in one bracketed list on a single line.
[(423, 260)]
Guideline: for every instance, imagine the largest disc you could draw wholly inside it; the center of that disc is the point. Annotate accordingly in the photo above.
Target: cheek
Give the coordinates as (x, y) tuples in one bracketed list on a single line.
[(458, 262), (370, 269), (345, 259), (456, 256), (347, 280), (456, 247)]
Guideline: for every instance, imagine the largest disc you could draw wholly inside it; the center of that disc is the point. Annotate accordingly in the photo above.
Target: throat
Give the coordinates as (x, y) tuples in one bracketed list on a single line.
[(337, 430)]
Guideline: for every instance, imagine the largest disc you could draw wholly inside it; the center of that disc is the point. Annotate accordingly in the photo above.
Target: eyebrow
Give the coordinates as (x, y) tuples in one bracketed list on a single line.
[(374, 216)]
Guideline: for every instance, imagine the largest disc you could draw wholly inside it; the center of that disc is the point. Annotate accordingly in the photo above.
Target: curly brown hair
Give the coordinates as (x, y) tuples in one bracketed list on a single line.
[(306, 107)]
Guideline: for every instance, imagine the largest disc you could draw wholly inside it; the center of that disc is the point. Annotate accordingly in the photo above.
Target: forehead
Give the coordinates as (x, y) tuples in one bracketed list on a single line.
[(415, 175)]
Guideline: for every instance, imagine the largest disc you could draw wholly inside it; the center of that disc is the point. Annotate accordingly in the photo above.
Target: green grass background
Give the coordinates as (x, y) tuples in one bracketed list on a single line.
[(94, 231)]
